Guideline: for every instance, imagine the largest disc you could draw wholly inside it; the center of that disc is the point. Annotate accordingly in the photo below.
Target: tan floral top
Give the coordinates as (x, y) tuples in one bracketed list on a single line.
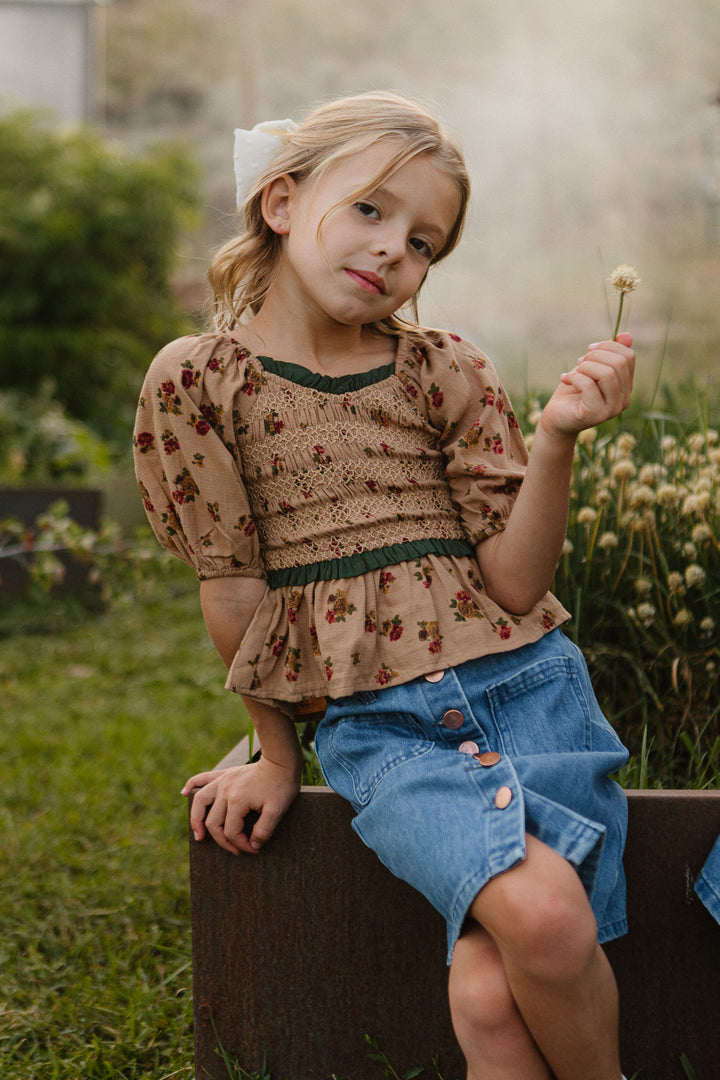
[(358, 498)]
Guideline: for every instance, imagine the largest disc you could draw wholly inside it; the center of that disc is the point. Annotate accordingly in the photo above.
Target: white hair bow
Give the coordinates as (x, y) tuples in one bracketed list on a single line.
[(255, 149)]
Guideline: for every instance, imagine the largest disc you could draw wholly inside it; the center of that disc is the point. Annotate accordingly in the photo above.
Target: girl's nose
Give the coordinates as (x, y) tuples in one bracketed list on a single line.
[(390, 244)]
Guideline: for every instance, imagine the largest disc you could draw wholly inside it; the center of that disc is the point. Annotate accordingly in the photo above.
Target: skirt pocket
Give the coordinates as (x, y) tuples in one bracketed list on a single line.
[(543, 708), (355, 754)]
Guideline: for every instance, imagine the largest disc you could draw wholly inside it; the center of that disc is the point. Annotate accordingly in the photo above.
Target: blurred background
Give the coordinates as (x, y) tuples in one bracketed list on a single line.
[(592, 133)]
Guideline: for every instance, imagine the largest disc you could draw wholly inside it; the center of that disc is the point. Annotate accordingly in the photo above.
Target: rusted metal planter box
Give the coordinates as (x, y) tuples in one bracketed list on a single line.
[(302, 951)]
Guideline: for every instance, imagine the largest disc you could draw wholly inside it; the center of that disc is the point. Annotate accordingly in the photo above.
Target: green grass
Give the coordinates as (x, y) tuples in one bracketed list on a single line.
[(105, 714), (101, 726)]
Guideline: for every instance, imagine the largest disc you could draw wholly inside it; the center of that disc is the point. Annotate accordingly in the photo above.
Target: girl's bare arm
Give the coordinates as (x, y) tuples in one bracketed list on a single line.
[(518, 564), (267, 786)]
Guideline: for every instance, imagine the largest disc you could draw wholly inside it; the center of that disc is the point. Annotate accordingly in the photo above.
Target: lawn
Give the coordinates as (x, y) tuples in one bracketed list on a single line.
[(101, 726)]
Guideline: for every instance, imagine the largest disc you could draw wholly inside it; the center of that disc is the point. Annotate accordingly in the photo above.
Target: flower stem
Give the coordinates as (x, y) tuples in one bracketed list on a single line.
[(619, 316)]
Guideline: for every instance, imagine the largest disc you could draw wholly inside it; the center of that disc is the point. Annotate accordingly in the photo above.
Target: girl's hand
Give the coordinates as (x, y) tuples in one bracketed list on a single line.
[(227, 795), (598, 389)]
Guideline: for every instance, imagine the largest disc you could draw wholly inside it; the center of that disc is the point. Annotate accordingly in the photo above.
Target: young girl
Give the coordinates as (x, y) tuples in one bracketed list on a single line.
[(358, 502)]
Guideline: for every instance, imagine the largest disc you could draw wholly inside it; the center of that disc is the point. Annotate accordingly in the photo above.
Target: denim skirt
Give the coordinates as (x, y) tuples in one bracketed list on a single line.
[(448, 773)]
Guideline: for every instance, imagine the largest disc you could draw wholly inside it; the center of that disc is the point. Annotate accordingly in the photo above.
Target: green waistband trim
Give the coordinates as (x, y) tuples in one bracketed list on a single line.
[(326, 384), (355, 565)]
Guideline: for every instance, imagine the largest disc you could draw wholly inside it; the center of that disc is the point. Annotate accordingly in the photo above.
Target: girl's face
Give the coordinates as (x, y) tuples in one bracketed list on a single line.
[(370, 257)]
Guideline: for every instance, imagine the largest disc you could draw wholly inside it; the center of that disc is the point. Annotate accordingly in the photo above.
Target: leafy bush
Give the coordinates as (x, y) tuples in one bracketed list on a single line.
[(41, 444), (88, 237)]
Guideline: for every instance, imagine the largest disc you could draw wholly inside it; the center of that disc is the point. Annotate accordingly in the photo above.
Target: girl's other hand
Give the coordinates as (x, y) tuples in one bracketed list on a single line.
[(226, 796), (598, 389)]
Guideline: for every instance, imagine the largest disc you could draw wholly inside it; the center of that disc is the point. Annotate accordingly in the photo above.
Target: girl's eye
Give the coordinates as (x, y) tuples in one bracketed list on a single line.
[(367, 209), (422, 247)]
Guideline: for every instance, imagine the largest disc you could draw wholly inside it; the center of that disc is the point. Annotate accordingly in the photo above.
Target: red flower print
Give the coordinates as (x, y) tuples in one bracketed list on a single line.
[(202, 427), (435, 396), (145, 441), (370, 624), (548, 620), (434, 647), (504, 632), (385, 675), (169, 441), (386, 580), (454, 337), (168, 388), (187, 378), (393, 628)]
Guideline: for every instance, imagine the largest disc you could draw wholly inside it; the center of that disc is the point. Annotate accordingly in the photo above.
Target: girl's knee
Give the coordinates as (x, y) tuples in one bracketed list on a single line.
[(541, 921), (480, 996)]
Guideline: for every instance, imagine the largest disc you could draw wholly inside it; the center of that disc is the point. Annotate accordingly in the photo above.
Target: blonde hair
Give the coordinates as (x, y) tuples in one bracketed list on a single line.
[(243, 270)]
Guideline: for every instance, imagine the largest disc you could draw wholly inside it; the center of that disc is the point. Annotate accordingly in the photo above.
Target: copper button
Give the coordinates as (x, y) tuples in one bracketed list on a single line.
[(468, 748), (488, 758), (453, 719), (503, 797), (434, 676)]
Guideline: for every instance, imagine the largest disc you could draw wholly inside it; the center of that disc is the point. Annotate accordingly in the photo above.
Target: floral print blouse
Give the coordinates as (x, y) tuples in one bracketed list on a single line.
[(359, 499)]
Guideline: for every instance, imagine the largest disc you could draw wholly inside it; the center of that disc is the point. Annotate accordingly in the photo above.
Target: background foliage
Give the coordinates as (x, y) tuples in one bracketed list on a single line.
[(88, 238)]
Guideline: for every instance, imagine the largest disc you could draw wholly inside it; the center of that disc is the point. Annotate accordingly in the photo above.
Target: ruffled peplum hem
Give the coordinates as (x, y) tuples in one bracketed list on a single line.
[(384, 627)]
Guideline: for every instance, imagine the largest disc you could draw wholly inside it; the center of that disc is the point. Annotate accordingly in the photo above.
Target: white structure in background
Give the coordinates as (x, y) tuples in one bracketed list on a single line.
[(50, 57)]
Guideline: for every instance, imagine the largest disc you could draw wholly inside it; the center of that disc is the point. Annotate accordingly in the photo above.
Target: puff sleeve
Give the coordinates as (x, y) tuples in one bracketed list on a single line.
[(187, 462), (485, 453)]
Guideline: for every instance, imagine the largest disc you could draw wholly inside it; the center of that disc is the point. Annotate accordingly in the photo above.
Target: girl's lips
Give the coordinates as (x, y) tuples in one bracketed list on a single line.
[(367, 280)]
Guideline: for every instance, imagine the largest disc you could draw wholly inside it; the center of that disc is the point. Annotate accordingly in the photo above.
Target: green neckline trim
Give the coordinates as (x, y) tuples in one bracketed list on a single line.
[(364, 561), (327, 384)]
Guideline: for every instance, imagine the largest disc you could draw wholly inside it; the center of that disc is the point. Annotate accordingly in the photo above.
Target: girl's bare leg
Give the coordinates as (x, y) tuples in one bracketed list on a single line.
[(541, 922), (492, 1034)]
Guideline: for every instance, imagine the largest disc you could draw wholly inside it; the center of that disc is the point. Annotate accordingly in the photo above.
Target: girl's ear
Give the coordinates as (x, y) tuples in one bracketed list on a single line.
[(275, 203)]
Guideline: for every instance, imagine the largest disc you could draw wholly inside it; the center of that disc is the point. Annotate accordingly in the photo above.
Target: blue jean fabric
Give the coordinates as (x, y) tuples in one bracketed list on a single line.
[(707, 883), (444, 816)]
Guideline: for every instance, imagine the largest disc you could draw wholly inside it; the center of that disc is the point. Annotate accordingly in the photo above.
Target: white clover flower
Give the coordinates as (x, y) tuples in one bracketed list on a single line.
[(625, 444), (587, 436), (668, 495), (711, 436), (602, 496), (689, 550), (696, 443), (646, 614), (707, 625), (668, 443), (568, 547), (649, 473), (644, 522), (701, 533), (534, 417), (623, 470), (704, 482), (683, 619), (643, 586), (641, 495), (608, 541), (587, 515), (694, 575), (624, 278), (711, 667), (693, 503), (676, 583), (529, 439)]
